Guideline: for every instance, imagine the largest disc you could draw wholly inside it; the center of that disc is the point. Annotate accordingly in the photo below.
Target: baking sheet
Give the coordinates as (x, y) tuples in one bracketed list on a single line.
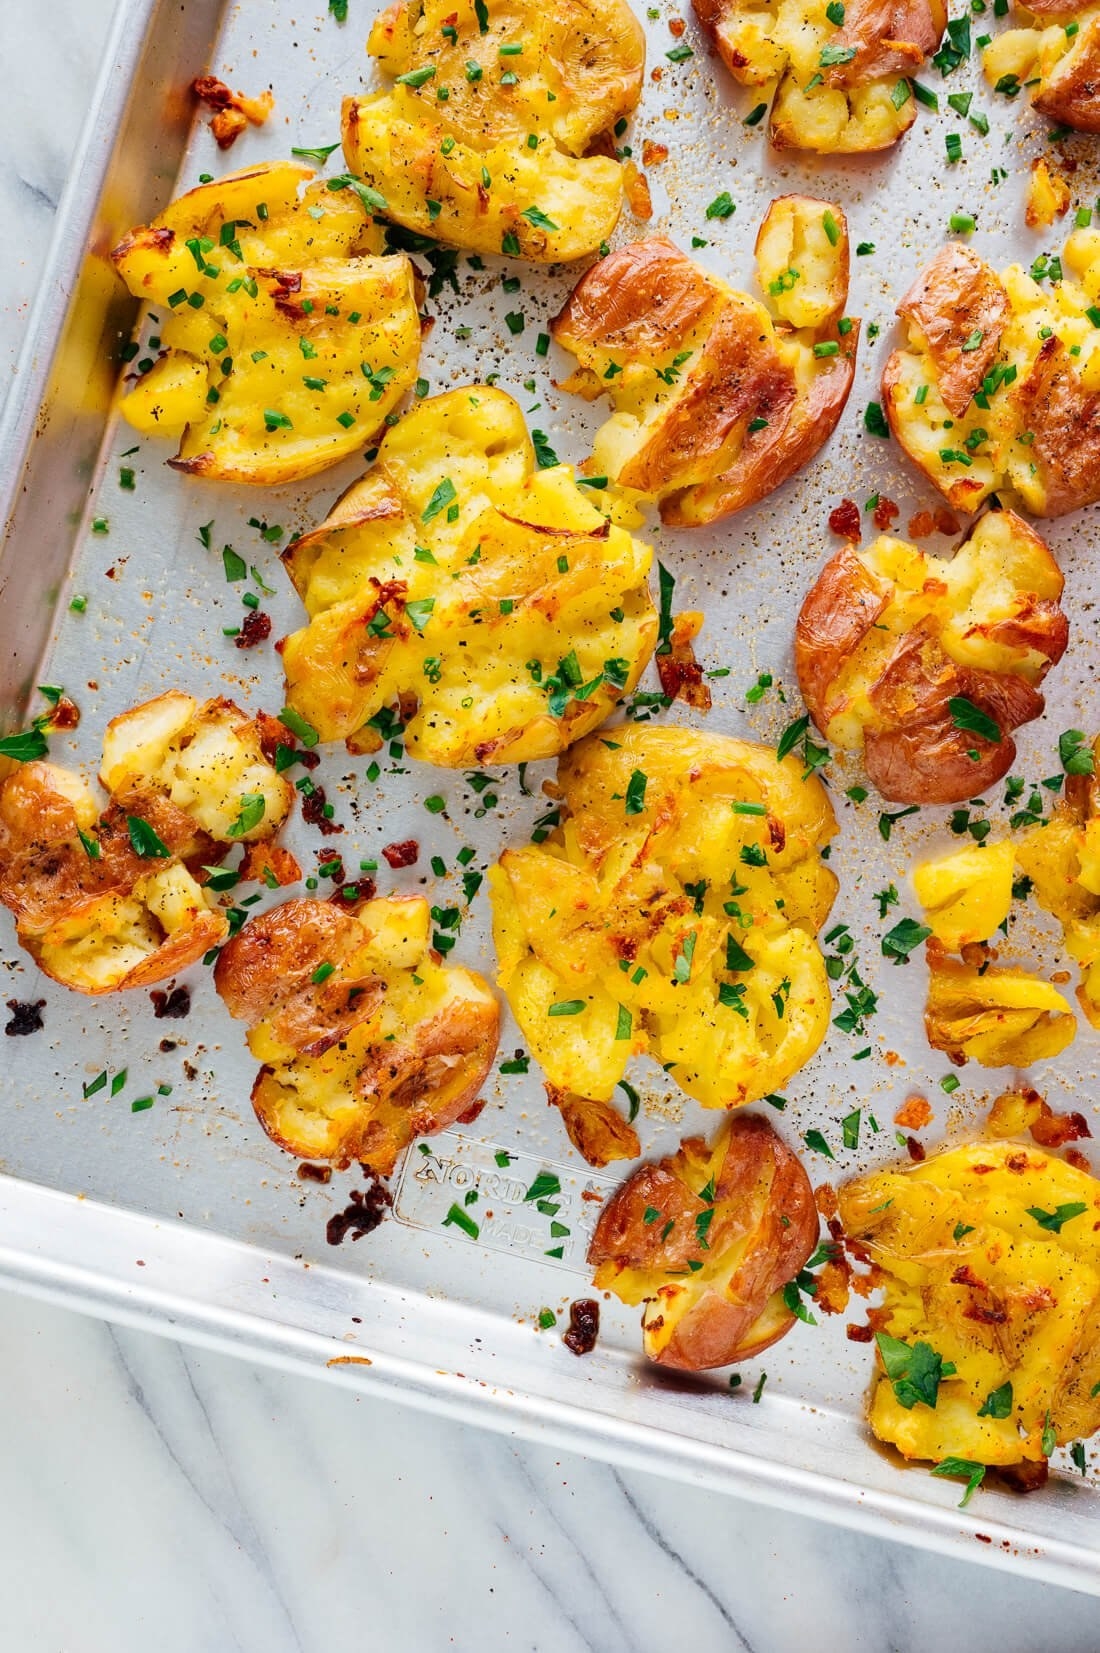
[(156, 601)]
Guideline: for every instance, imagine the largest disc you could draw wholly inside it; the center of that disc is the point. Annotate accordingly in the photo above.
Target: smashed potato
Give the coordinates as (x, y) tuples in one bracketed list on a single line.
[(995, 1015), (674, 910), (989, 1256), (717, 399), (1056, 52), (840, 74), (365, 1039), (497, 603), (1062, 859), (930, 665), (998, 387), (707, 1240), (112, 899), (966, 896), (284, 341), (489, 137)]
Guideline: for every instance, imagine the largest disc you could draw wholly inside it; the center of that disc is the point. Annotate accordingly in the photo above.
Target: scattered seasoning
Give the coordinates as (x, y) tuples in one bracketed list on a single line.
[(584, 1326)]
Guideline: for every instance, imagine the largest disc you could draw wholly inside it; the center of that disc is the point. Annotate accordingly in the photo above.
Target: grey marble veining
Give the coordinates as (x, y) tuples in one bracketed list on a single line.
[(158, 1498)]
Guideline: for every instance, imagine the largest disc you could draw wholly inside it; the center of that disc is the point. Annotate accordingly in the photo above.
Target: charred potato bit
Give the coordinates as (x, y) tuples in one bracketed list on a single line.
[(1056, 53), (366, 1040), (449, 148), (497, 603), (930, 665), (840, 74), (999, 1017), (707, 1240), (998, 387), (1062, 859), (109, 900), (674, 911), (284, 341), (989, 1256), (717, 398), (966, 896)]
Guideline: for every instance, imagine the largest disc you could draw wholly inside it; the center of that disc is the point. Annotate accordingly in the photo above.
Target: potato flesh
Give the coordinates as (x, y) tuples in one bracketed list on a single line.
[(607, 887), (1062, 859), (989, 583), (577, 71), (992, 437), (527, 574), (409, 1058), (996, 1017), (207, 759), (966, 896), (966, 1269), (120, 919), (233, 382), (781, 48)]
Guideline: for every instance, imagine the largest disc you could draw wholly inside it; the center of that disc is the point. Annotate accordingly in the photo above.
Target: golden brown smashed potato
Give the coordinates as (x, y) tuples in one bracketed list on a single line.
[(284, 342), (1062, 859), (717, 399), (365, 1039), (997, 388), (989, 1255), (1000, 1016), (490, 136), (840, 74), (497, 603), (1055, 53), (707, 1240), (674, 910), (112, 899), (930, 665)]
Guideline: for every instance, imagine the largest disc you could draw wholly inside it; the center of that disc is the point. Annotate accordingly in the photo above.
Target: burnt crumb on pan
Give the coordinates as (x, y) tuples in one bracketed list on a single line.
[(314, 804), (167, 1046), (314, 1173), (172, 1005), (404, 854), (26, 1017), (584, 1326), (255, 628), (362, 1215)]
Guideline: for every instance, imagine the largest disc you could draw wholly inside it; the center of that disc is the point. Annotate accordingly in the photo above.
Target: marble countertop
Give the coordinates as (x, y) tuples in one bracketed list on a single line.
[(154, 1496)]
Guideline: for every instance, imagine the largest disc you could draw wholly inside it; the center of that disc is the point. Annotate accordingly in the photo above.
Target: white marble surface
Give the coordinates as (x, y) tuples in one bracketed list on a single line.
[(159, 1498)]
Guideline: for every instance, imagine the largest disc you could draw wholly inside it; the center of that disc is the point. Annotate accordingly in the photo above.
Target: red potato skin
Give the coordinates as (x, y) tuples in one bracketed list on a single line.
[(891, 37), (740, 378), (1065, 418), (642, 299), (267, 970), (953, 297), (772, 456), (760, 1183), (919, 756), (839, 611)]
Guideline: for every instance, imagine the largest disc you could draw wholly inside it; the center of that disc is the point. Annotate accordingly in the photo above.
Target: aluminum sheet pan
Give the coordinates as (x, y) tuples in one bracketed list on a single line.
[(185, 1217)]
